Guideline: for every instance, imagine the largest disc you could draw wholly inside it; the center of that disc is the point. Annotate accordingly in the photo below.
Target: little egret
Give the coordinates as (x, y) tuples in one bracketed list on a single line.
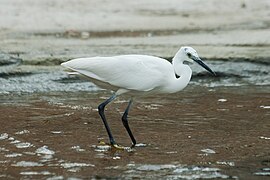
[(136, 74)]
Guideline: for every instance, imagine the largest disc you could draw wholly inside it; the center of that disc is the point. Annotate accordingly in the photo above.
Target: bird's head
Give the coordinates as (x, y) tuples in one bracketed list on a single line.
[(190, 55)]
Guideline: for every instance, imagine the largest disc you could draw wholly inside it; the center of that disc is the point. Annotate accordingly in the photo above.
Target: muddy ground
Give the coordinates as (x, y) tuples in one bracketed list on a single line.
[(199, 133)]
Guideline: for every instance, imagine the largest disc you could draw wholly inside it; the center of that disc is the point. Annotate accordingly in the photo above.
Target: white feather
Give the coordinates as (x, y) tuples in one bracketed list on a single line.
[(131, 72)]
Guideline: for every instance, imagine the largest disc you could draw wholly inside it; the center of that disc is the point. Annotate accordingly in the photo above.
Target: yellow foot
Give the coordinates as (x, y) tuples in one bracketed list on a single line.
[(102, 143), (117, 146)]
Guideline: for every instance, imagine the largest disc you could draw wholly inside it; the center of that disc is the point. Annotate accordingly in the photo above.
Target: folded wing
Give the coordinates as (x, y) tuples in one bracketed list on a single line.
[(132, 72)]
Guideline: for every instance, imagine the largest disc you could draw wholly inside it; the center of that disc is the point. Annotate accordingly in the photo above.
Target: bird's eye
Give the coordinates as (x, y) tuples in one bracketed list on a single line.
[(189, 54)]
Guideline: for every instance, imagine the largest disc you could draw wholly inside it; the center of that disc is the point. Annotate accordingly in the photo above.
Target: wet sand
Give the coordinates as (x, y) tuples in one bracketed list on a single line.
[(224, 128)]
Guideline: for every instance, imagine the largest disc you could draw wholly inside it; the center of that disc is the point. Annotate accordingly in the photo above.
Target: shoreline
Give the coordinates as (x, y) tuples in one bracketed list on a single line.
[(217, 29)]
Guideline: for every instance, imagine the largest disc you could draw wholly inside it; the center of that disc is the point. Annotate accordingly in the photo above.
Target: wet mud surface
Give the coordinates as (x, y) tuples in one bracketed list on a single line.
[(197, 133)]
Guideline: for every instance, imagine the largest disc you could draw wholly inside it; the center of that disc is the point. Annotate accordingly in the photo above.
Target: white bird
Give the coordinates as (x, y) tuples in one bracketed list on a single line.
[(136, 74)]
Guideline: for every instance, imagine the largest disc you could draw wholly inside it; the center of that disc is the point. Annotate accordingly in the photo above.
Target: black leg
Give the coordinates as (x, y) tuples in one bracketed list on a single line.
[(102, 115), (125, 123)]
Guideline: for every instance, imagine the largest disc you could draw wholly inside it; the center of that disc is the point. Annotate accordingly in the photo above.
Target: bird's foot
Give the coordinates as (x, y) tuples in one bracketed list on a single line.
[(116, 146), (119, 147)]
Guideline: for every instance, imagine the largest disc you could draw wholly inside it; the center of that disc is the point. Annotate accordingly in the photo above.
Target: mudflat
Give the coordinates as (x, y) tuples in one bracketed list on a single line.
[(221, 133)]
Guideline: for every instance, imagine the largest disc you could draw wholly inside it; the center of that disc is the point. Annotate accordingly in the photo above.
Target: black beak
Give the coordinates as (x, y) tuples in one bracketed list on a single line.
[(200, 62)]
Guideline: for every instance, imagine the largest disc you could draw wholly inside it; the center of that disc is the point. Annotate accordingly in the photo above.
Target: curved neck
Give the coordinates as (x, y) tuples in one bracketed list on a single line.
[(182, 70)]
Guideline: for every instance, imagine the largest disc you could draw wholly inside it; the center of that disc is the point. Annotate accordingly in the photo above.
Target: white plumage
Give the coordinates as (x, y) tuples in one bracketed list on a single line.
[(131, 72), (137, 73)]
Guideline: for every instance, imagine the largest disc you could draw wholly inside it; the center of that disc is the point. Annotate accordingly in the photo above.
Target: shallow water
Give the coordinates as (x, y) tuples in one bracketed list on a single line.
[(29, 79), (217, 128), (211, 133)]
